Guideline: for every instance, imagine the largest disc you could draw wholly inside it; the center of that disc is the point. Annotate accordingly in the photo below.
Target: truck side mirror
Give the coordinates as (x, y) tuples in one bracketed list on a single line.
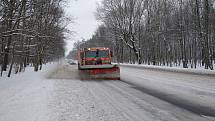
[(97, 53), (111, 53)]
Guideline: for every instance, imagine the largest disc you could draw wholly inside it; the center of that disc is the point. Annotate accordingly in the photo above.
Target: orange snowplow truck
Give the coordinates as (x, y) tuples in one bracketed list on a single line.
[(95, 63)]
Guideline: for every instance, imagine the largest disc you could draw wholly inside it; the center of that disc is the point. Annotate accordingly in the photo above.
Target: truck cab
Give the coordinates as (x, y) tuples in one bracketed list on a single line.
[(95, 56)]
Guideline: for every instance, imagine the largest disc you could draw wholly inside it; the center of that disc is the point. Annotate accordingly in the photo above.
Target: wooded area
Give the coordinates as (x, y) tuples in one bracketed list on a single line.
[(158, 32), (31, 33)]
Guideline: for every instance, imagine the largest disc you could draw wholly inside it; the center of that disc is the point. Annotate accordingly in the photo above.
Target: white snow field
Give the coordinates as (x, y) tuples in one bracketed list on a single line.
[(198, 70), (24, 97), (57, 94)]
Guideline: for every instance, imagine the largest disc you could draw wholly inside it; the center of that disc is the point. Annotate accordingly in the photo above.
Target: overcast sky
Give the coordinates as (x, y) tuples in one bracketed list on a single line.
[(85, 24)]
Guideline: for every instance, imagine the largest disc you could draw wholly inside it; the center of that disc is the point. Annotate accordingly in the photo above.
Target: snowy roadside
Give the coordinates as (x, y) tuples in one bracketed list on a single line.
[(24, 96), (172, 69)]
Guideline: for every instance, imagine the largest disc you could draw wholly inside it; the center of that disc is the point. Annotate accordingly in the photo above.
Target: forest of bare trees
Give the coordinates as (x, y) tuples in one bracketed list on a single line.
[(158, 32), (31, 33)]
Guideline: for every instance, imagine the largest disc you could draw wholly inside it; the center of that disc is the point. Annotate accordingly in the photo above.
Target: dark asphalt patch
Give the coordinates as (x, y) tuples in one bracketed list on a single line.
[(182, 103)]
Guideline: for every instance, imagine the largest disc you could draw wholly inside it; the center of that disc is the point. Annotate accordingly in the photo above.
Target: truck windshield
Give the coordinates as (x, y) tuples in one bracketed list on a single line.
[(90, 54), (94, 54), (103, 53)]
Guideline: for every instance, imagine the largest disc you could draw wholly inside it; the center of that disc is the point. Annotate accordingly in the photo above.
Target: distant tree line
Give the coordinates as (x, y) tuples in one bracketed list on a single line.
[(31, 33), (159, 32), (72, 54)]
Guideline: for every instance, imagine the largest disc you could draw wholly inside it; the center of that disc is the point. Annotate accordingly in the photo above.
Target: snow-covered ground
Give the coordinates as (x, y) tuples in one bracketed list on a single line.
[(57, 94), (24, 96), (198, 66), (199, 71)]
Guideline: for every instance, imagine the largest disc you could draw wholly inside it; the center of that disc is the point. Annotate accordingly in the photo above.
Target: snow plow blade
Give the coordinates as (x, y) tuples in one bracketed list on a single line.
[(99, 72)]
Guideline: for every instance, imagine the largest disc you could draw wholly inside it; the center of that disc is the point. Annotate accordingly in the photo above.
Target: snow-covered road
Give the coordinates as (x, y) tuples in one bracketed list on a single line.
[(57, 94), (191, 92)]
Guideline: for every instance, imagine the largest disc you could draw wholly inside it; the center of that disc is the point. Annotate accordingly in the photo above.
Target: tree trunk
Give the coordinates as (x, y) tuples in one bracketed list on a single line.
[(206, 45)]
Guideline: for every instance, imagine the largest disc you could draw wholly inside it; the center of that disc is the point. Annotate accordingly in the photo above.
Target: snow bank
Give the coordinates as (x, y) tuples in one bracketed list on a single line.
[(24, 95), (172, 69)]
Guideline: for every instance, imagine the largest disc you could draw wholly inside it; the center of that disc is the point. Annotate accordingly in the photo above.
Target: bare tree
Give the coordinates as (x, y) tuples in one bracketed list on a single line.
[(31, 32), (161, 32)]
